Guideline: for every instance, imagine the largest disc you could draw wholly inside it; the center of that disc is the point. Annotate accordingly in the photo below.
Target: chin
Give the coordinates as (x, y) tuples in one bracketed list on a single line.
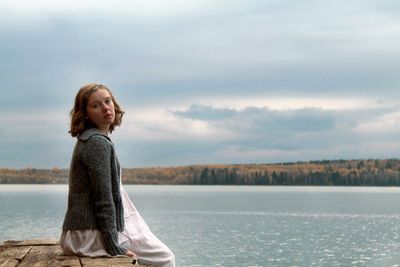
[(110, 121)]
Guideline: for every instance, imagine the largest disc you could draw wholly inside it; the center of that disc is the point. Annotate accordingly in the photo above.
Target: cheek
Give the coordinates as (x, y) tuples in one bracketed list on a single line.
[(91, 114)]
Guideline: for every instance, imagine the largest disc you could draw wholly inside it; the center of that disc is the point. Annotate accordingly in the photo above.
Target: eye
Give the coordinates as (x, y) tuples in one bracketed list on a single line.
[(95, 105), (108, 100)]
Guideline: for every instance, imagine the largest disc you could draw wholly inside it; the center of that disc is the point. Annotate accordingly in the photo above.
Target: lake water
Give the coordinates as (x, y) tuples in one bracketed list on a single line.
[(238, 225)]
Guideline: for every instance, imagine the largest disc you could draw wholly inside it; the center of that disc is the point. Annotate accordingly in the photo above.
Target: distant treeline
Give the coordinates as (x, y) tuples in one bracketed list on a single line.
[(369, 172)]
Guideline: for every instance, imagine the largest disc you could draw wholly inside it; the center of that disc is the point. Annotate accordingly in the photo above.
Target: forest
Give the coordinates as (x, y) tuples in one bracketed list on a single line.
[(369, 172)]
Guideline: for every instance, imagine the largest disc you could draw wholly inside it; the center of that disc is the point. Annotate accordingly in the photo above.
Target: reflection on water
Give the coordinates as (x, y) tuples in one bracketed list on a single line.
[(227, 225)]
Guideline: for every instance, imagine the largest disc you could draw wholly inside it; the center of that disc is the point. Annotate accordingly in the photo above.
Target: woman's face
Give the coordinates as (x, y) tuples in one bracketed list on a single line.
[(100, 110)]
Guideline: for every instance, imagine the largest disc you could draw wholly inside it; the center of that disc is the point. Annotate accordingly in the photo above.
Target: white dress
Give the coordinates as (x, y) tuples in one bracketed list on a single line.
[(136, 236)]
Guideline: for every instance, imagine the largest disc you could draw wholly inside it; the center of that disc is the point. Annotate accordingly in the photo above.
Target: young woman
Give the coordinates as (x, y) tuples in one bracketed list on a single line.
[(101, 220)]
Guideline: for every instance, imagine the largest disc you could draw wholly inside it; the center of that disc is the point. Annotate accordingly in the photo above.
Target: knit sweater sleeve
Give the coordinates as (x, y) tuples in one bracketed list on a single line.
[(98, 159)]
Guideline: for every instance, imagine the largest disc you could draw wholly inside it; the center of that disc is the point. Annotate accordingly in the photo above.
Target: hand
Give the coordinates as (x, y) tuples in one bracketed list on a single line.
[(131, 254)]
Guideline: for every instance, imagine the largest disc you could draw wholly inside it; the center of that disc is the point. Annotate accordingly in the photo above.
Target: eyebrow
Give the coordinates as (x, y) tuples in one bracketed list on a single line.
[(97, 101)]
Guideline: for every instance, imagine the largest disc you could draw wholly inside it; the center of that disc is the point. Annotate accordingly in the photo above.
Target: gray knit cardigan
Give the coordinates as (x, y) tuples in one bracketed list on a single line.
[(94, 200)]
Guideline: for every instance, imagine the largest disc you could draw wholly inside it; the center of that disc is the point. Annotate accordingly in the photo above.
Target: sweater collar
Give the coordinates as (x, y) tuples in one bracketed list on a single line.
[(90, 132)]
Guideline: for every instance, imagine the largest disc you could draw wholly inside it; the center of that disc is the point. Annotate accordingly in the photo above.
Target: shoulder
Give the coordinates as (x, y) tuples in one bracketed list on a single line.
[(94, 138), (98, 140), (95, 151), (92, 132), (96, 147)]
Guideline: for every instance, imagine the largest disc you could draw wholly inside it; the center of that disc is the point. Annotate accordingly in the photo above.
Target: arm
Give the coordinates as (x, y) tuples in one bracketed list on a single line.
[(98, 159)]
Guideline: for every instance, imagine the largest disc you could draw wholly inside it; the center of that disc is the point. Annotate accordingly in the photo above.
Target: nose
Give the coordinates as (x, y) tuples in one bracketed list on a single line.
[(105, 107)]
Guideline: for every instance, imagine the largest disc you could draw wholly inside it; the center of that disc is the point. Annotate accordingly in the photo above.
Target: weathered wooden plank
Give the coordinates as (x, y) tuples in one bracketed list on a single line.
[(42, 241), (47, 252), (70, 261), (8, 262), (10, 255), (103, 261), (15, 252), (41, 256)]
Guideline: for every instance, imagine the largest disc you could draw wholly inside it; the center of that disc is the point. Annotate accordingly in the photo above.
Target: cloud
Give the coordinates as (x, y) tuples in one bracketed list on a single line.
[(240, 48), (292, 129), (157, 125), (37, 139), (150, 8), (198, 133), (204, 80)]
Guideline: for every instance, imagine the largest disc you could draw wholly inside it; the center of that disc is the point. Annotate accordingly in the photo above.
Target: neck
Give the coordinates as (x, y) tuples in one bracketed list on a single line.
[(104, 130)]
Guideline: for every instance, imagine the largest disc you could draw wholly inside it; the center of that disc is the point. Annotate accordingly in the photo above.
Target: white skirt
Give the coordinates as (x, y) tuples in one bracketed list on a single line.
[(136, 236)]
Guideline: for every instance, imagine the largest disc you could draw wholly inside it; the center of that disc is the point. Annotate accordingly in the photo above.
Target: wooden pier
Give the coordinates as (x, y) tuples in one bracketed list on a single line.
[(47, 252)]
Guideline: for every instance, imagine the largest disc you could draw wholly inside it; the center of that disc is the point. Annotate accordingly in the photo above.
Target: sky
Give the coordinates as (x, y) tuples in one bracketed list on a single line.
[(203, 82)]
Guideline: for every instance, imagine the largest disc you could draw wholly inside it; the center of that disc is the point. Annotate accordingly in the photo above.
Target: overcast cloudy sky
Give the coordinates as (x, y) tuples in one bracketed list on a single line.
[(204, 81)]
